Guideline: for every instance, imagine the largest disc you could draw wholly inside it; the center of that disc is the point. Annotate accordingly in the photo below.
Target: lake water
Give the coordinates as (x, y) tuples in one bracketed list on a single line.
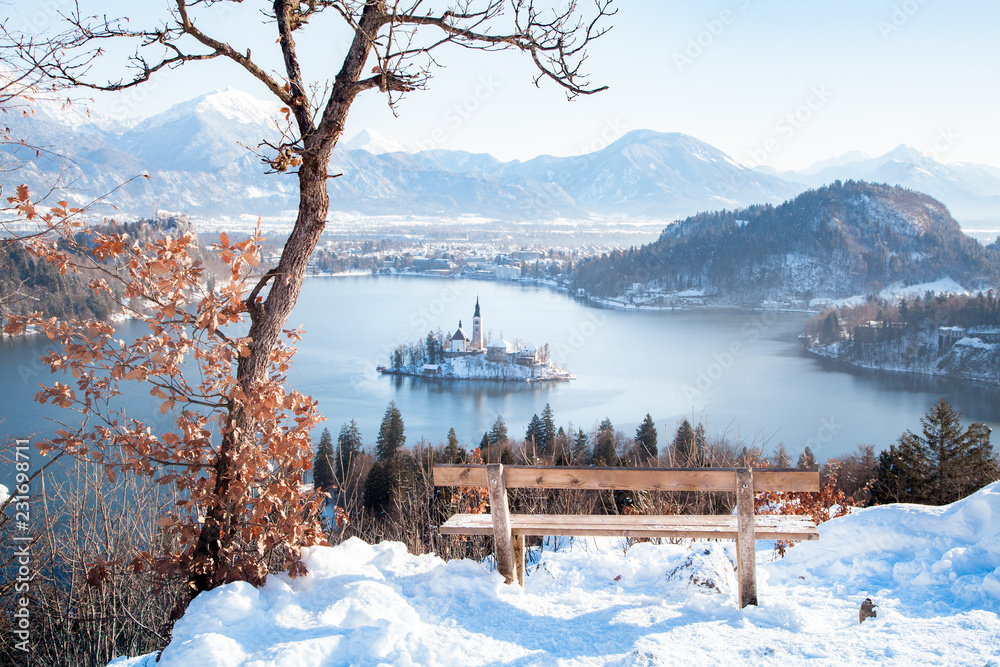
[(742, 373)]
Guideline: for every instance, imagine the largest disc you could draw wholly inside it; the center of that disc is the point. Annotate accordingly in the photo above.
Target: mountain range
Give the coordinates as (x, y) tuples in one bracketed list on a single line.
[(199, 159)]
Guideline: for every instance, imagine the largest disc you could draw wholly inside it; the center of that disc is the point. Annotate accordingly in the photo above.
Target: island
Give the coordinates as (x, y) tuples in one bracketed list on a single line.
[(465, 357)]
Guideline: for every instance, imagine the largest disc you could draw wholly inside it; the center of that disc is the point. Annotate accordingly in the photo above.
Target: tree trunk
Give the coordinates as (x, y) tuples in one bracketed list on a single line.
[(268, 317)]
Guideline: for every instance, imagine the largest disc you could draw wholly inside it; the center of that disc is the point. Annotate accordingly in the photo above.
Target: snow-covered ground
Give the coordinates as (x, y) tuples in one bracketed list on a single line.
[(895, 292), (934, 573)]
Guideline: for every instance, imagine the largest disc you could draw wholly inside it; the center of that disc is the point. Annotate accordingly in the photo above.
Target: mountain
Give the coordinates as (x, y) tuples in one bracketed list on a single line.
[(373, 142), (971, 191), (840, 240), (656, 175), (198, 157)]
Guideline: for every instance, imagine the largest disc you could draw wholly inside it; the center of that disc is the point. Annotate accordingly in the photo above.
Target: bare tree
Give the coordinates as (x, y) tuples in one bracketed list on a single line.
[(392, 50)]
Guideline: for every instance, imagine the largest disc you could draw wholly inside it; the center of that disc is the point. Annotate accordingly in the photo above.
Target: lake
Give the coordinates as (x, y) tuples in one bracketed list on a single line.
[(742, 373)]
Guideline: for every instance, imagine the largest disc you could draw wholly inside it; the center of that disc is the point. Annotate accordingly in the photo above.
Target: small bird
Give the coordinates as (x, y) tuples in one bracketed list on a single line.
[(867, 609)]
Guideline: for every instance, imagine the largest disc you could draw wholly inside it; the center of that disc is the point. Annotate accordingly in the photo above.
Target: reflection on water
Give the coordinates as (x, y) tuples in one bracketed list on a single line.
[(472, 388), (977, 401)]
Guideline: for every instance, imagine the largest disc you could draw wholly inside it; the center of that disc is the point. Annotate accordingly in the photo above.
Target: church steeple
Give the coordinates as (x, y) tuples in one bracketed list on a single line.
[(477, 330)]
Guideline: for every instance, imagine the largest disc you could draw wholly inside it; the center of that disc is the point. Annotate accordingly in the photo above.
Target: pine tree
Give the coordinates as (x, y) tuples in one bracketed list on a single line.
[(605, 453), (498, 432), (646, 437), (690, 446), (349, 445), (945, 463), (390, 434), (548, 430), (484, 447), (382, 481), (561, 455), (431, 346), (453, 453), (831, 328), (534, 436), (323, 477), (806, 459), (580, 445)]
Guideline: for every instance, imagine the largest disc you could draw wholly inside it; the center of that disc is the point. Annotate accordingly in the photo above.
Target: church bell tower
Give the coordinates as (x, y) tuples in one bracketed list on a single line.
[(477, 329)]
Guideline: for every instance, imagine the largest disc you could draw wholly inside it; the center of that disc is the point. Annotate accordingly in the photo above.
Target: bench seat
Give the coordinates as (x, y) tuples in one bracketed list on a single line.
[(591, 525)]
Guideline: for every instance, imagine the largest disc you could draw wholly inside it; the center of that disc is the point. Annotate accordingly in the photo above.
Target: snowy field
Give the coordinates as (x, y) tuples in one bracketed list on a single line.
[(934, 573)]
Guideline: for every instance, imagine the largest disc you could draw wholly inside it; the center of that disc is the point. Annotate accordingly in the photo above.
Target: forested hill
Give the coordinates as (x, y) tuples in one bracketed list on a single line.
[(836, 241)]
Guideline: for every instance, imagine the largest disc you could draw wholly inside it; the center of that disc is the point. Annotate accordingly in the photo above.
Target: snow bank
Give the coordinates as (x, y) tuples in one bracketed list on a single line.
[(933, 572), (935, 559), (972, 341)]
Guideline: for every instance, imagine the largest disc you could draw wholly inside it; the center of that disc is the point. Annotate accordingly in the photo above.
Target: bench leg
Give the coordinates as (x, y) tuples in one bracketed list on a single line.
[(519, 558), (500, 511), (746, 544)]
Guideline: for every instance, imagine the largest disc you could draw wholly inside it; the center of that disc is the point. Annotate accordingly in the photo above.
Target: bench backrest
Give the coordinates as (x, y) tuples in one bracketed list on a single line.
[(651, 479)]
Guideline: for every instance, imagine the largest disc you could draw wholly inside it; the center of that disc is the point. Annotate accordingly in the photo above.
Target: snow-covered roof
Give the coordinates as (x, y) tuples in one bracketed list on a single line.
[(459, 335), (499, 342), (528, 349)]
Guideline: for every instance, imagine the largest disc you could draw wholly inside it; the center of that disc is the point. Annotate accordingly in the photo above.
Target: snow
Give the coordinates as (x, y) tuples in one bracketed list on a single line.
[(373, 142), (898, 291), (4, 494), (972, 341), (933, 572)]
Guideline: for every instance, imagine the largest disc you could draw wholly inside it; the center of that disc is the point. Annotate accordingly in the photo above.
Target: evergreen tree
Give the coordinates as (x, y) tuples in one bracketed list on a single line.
[(548, 430), (893, 479), (561, 449), (453, 453), (646, 437), (945, 463), (390, 434), (534, 436), (382, 480), (323, 478), (432, 348), (580, 445), (349, 445), (806, 459), (831, 328), (498, 432), (484, 447), (605, 453), (690, 446), (506, 457)]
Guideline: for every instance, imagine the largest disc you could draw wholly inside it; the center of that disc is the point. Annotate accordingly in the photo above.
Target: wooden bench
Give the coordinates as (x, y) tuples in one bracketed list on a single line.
[(508, 530)]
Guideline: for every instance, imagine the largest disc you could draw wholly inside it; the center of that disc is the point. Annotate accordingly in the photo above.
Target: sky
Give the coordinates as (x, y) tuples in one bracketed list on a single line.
[(780, 84)]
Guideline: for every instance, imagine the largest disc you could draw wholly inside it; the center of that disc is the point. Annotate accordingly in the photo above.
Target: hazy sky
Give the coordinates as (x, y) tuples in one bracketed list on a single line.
[(782, 83)]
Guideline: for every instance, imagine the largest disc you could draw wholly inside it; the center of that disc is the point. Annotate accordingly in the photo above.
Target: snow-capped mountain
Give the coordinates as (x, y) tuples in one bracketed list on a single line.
[(373, 142), (199, 159), (971, 191), (656, 175)]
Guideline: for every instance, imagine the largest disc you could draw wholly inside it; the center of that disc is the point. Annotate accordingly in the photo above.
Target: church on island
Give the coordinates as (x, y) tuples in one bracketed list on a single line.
[(464, 357), (497, 351)]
